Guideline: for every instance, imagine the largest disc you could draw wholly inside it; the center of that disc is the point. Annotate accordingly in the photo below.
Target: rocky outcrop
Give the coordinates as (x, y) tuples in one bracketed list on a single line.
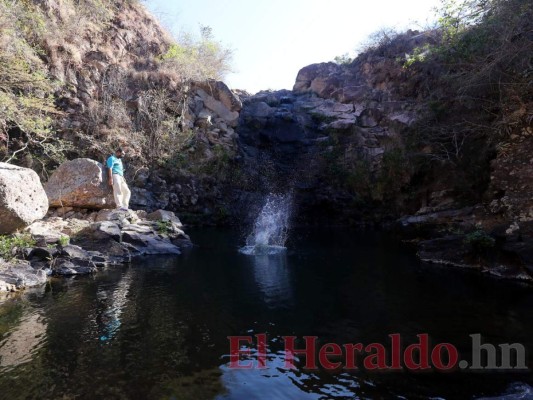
[(313, 144), (349, 142), (22, 198), (80, 183), (375, 75), (338, 139), (507, 258), (18, 275), (511, 183), (118, 236), (321, 79), (66, 247), (214, 100), (124, 234)]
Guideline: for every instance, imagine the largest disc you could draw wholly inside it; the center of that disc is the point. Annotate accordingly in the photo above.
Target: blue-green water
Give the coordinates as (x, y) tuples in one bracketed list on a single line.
[(158, 329)]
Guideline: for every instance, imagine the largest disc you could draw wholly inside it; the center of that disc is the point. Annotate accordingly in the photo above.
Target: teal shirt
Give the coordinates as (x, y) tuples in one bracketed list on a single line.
[(115, 164)]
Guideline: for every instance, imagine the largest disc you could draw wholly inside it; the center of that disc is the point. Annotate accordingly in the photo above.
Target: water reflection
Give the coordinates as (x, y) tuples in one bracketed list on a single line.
[(24, 341), (164, 323), (272, 277), (111, 302), (259, 381), (517, 391)]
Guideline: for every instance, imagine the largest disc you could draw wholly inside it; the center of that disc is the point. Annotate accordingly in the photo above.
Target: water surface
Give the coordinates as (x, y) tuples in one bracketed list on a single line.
[(158, 329)]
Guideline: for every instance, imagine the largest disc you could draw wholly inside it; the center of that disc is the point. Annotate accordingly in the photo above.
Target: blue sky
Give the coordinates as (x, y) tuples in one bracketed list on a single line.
[(273, 39)]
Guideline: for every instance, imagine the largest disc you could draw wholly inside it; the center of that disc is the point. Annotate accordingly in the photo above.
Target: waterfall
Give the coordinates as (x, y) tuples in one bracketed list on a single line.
[(271, 227)]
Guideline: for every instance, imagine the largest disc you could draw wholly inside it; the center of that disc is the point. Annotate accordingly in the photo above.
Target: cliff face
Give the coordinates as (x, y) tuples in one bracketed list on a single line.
[(345, 130), (376, 142), (122, 92), (116, 78), (386, 108)]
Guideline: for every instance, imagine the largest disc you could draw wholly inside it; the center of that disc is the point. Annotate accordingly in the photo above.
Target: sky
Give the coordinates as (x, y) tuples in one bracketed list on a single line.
[(273, 39)]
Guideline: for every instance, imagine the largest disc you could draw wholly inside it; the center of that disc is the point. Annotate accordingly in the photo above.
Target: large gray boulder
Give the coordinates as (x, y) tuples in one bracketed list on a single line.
[(80, 183), (218, 100), (22, 198), (18, 274), (220, 92), (322, 79)]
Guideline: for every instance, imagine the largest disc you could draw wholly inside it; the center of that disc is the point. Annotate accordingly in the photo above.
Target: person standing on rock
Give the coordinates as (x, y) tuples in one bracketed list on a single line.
[(115, 171)]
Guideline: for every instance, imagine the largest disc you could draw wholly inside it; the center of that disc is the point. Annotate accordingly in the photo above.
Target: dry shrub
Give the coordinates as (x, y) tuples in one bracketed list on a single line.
[(197, 59)]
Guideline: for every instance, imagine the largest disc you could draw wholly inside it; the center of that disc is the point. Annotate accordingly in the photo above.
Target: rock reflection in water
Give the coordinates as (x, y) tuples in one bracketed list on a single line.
[(23, 341)]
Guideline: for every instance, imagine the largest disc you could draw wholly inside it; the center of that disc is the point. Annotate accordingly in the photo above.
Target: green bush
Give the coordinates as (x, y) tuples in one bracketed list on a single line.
[(9, 245), (344, 59), (479, 240), (378, 41), (64, 240), (479, 93), (163, 227)]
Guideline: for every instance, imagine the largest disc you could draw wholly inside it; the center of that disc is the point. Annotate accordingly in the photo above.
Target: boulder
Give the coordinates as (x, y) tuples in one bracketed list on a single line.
[(221, 92), (18, 275), (42, 253), (97, 241), (122, 235), (80, 183), (106, 229), (149, 244), (22, 198), (260, 110), (55, 230), (369, 118), (450, 250), (119, 217), (74, 267), (216, 106), (75, 253), (321, 79), (165, 216)]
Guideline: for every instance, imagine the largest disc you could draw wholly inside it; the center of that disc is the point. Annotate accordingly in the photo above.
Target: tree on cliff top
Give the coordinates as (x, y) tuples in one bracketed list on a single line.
[(198, 59)]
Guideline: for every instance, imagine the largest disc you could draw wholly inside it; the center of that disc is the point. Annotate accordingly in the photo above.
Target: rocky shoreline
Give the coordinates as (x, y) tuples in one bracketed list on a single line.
[(80, 246), (469, 238)]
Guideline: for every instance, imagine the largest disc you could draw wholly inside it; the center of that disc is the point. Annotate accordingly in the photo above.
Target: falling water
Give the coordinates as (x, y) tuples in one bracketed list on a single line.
[(271, 227)]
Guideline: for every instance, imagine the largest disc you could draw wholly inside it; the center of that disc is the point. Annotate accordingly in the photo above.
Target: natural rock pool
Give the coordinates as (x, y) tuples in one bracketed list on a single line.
[(158, 329)]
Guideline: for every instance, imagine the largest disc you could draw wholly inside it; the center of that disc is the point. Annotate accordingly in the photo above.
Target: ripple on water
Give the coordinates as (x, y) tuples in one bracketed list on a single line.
[(21, 344), (262, 250)]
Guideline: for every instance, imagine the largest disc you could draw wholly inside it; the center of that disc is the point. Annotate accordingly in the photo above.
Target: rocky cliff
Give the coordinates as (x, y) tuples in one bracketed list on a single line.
[(113, 77), (350, 128), (381, 142), (413, 134)]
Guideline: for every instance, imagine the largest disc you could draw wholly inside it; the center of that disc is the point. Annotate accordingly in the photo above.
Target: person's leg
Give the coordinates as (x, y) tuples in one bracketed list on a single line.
[(126, 194), (117, 190)]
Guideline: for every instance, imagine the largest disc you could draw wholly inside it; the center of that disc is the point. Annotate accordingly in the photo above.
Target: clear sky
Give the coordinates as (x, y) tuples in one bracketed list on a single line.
[(273, 39)]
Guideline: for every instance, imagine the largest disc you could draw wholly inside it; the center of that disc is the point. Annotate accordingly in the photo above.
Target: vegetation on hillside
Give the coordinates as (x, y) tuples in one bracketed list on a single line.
[(472, 75), (484, 90), (198, 59), (26, 88), (52, 54)]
